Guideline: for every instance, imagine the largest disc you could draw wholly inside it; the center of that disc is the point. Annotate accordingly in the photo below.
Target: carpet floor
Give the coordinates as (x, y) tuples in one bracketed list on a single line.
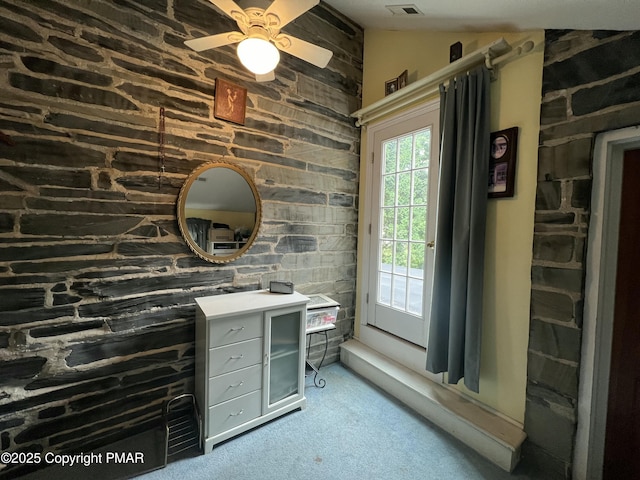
[(350, 429)]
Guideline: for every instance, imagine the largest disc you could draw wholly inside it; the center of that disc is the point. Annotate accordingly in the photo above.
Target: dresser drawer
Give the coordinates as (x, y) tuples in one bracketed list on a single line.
[(231, 385), (235, 356), (235, 329), (228, 415)]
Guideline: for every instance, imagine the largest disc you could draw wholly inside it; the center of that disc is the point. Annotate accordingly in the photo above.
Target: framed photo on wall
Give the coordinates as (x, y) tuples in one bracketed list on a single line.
[(395, 84), (403, 79), (230, 102), (502, 163), (390, 86)]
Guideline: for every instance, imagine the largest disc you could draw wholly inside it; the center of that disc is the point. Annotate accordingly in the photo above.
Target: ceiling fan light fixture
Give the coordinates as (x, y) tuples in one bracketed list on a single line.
[(258, 55)]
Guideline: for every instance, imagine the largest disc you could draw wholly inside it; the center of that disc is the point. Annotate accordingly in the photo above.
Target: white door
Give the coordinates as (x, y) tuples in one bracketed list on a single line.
[(403, 207)]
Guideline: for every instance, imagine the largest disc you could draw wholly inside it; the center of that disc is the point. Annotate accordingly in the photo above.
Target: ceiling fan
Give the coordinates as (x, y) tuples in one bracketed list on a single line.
[(260, 39)]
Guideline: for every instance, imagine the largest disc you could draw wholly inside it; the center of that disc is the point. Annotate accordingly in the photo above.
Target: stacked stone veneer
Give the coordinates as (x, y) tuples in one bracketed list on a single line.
[(97, 286), (591, 84)]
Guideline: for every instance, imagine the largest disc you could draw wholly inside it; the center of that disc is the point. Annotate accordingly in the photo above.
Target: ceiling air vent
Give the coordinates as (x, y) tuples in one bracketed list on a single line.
[(404, 10)]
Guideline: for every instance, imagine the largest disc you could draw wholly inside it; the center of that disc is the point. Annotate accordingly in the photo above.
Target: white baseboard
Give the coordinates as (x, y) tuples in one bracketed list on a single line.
[(490, 435)]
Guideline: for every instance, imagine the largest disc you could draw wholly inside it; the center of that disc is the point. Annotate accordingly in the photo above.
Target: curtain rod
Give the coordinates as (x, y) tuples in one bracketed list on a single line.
[(491, 55)]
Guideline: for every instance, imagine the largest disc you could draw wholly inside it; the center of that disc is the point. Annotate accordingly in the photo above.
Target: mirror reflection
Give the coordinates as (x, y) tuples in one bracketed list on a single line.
[(219, 211)]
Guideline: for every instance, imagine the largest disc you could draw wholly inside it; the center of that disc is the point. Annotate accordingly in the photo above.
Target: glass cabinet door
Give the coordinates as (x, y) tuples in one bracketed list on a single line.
[(285, 354)]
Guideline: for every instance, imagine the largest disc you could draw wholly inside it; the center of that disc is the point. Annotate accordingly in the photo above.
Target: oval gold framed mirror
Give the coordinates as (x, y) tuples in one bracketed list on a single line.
[(219, 211)]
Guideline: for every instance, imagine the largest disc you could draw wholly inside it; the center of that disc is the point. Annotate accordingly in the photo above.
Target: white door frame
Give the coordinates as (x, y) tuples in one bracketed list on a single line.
[(597, 330), (407, 354)]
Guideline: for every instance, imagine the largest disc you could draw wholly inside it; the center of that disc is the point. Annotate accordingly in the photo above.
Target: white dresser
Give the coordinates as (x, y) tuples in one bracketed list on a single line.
[(250, 360)]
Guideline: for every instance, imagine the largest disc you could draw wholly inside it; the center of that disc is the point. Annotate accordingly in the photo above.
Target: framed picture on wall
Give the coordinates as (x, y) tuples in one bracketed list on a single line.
[(230, 102), (502, 163), (403, 79), (395, 84), (390, 86)]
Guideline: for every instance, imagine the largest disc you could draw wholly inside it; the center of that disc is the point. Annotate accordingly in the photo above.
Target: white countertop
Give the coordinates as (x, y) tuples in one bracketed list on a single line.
[(216, 306)]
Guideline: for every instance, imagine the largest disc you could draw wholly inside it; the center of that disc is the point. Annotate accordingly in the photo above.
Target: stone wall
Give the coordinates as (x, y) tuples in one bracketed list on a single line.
[(590, 85), (97, 286)]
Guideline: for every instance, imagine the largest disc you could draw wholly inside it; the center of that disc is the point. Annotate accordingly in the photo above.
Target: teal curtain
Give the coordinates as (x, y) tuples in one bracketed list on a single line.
[(455, 330)]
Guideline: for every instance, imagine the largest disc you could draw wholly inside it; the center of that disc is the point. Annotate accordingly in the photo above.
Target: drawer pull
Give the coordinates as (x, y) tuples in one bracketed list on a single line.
[(237, 385), (236, 357), (236, 329), (236, 414)]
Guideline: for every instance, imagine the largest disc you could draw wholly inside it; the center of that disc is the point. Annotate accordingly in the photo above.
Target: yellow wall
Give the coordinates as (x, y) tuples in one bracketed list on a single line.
[(516, 95)]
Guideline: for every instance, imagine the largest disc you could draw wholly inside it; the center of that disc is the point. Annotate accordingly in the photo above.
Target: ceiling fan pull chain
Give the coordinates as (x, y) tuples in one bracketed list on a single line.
[(161, 168)]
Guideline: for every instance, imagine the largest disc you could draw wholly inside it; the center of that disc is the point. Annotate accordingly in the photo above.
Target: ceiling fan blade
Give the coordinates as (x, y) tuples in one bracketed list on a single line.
[(281, 12), (214, 41), (306, 51), (267, 77), (231, 8)]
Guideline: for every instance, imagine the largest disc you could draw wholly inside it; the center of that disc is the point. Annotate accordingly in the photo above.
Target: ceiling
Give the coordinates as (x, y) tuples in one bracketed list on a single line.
[(494, 15)]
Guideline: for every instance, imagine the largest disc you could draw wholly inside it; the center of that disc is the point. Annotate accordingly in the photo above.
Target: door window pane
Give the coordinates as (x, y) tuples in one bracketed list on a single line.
[(420, 191), (415, 296), (399, 292), (422, 149), (419, 224), (406, 153), (390, 156), (417, 260), (402, 223), (404, 189), (389, 194), (401, 258), (384, 288), (388, 223)]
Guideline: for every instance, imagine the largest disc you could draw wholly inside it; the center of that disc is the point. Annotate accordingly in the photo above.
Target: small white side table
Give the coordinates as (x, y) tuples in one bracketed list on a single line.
[(322, 313)]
